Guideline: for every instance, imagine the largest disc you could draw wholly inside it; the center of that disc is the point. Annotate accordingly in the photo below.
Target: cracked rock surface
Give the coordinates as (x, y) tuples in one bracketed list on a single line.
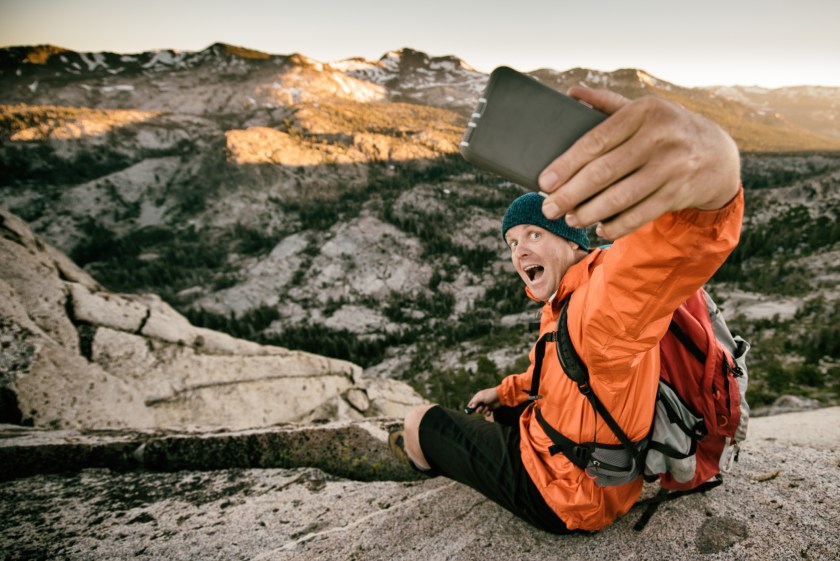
[(77, 356), (781, 501)]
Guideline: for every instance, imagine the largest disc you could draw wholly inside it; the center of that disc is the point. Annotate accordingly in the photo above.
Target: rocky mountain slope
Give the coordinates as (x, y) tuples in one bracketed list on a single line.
[(324, 207), (76, 355), (812, 107)]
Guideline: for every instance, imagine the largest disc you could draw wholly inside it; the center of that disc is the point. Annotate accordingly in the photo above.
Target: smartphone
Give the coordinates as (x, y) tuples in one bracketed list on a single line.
[(520, 125)]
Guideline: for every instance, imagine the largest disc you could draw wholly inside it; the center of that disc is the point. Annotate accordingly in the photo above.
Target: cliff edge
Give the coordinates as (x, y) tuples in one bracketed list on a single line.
[(781, 501)]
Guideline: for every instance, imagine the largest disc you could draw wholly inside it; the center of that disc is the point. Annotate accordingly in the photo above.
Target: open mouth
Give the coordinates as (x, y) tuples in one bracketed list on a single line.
[(533, 271)]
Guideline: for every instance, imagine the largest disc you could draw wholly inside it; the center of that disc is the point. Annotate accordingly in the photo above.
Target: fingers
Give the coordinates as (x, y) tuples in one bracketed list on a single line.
[(477, 404), (588, 152), (484, 401), (603, 100), (479, 408), (593, 144), (634, 217), (649, 157), (640, 196), (604, 178)]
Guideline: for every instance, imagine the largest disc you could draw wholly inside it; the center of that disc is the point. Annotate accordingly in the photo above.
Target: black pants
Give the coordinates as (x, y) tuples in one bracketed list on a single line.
[(486, 456)]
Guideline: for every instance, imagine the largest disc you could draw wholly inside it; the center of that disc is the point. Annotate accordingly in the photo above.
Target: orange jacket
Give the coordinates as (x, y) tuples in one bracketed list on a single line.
[(620, 308)]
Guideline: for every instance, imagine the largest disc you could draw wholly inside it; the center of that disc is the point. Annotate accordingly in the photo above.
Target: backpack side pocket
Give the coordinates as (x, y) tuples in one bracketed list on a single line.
[(673, 443)]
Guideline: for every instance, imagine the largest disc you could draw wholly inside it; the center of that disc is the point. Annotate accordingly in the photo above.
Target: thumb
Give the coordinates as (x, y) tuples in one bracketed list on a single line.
[(602, 100)]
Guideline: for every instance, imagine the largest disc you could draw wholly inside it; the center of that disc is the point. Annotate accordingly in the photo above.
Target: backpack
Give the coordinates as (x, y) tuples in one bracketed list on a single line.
[(701, 412)]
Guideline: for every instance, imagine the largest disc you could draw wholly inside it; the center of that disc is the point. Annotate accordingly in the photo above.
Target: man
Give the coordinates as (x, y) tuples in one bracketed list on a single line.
[(665, 184)]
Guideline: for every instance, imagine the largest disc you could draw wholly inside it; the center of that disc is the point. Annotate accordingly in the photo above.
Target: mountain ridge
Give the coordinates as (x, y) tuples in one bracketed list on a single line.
[(40, 54), (780, 119)]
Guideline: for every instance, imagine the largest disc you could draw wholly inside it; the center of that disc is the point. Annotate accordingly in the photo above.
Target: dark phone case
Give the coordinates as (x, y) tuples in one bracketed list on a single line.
[(520, 125)]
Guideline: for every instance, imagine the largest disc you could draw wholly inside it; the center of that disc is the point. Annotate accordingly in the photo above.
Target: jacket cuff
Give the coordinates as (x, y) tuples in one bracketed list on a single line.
[(507, 391), (709, 218)]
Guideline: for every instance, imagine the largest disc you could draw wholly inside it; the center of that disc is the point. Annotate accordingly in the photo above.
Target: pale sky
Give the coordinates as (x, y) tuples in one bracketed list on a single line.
[(769, 43)]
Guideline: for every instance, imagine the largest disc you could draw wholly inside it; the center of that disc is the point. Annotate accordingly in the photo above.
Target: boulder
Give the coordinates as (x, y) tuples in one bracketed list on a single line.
[(108, 310), (29, 270), (787, 404), (46, 384), (78, 356)]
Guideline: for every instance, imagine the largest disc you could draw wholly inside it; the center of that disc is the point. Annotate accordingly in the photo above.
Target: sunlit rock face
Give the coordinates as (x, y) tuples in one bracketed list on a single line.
[(77, 355)]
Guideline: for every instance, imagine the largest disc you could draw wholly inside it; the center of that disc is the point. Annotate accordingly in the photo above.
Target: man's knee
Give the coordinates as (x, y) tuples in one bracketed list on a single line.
[(412, 420)]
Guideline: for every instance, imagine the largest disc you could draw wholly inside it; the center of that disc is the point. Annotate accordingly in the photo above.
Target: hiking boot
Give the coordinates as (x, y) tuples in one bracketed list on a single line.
[(396, 442)]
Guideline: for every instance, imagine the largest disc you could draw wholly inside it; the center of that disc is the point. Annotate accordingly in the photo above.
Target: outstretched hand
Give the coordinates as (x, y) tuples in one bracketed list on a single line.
[(649, 157)]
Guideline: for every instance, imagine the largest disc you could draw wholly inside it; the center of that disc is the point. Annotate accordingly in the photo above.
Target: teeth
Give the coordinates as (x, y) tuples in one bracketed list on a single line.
[(532, 270)]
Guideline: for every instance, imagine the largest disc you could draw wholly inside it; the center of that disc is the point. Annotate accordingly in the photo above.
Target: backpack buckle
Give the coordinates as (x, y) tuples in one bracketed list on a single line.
[(582, 453)]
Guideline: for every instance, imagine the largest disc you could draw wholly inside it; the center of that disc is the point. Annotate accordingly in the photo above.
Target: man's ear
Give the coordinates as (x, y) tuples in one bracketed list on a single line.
[(573, 245)]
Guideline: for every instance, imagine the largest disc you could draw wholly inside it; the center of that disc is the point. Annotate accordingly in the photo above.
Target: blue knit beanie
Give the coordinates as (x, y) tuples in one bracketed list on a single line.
[(527, 209)]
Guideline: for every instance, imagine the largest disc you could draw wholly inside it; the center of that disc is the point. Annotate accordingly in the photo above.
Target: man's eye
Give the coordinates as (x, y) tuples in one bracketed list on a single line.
[(535, 235)]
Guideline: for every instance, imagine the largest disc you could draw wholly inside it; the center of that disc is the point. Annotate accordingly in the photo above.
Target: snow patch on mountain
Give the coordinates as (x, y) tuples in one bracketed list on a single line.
[(646, 78), (93, 60), (166, 58)]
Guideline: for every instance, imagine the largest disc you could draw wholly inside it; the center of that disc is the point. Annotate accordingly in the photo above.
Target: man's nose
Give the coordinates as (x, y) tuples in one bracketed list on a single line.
[(521, 249)]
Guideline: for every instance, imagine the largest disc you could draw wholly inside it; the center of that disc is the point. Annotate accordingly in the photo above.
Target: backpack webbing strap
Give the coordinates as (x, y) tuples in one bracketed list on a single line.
[(578, 454), (538, 361), (581, 455), (570, 361), (690, 345), (696, 432), (664, 495), (672, 452), (576, 370)]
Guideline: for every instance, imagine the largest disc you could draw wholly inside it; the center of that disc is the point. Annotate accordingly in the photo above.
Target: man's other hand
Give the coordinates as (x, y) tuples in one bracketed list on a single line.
[(484, 401)]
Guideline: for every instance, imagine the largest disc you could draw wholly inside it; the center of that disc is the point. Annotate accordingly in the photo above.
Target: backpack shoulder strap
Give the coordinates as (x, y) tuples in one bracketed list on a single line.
[(576, 370), (572, 365)]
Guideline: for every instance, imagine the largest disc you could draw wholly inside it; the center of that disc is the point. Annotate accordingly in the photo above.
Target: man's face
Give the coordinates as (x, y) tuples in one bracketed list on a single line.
[(540, 257)]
